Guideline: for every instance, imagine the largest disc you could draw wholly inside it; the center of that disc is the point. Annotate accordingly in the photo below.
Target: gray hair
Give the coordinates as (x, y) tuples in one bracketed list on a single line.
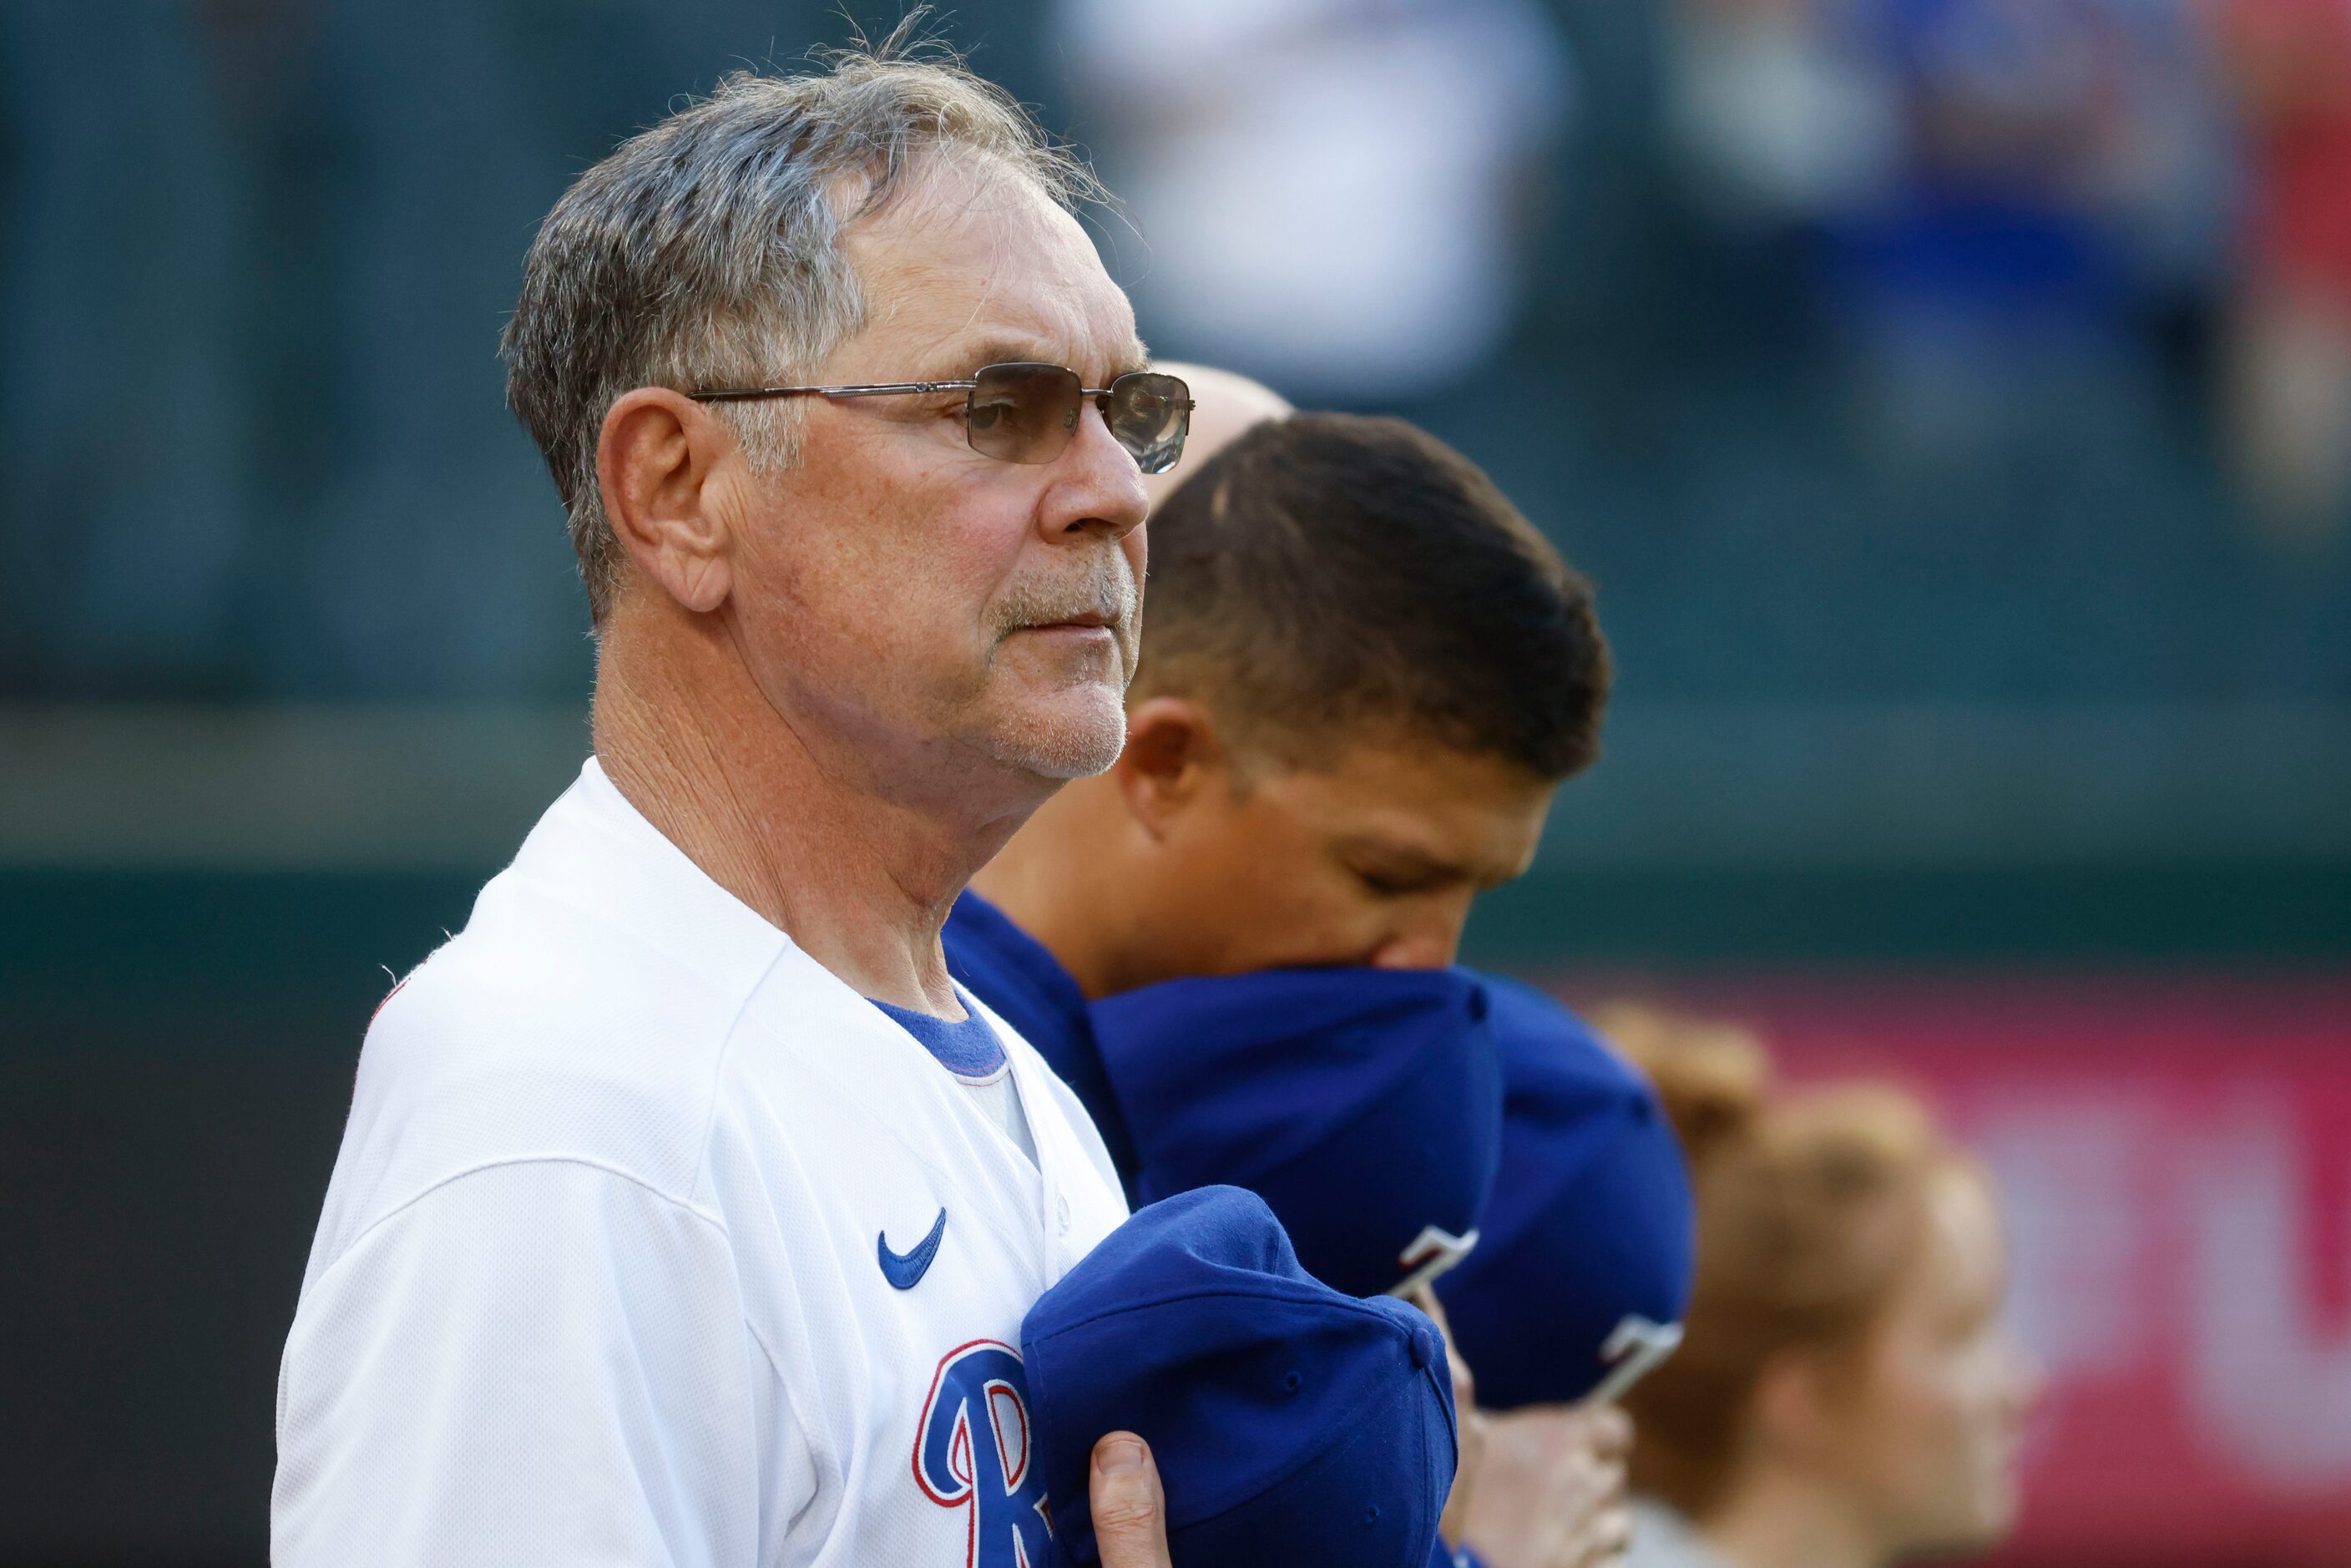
[(707, 250)]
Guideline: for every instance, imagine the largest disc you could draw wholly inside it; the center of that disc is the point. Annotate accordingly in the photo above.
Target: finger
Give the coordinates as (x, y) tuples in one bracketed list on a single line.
[(1470, 1455), (1465, 1382), (1610, 1537), (1130, 1511), (1607, 1430)]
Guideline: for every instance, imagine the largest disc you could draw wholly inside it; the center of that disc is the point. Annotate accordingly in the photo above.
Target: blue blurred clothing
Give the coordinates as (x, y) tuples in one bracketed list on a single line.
[(1591, 1220)]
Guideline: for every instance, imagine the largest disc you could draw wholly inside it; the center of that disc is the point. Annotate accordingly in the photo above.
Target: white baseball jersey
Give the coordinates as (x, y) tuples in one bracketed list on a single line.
[(653, 1242)]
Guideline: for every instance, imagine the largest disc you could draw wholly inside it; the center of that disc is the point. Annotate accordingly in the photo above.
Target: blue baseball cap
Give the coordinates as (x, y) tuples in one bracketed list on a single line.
[(1365, 1105), (1291, 1424), (1586, 1252)]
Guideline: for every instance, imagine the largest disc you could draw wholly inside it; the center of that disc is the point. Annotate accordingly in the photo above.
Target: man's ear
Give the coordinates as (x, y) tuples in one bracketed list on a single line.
[(658, 463), (1173, 756)]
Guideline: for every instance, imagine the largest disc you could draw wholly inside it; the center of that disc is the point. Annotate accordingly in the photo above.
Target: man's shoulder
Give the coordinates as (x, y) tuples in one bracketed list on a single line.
[(536, 982), (542, 1032)]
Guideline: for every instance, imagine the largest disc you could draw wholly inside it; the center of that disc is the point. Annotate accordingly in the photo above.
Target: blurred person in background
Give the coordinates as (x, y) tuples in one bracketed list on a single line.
[(2000, 197), (1989, 289), (1330, 194), (2290, 360), (1846, 1394), (1779, 115)]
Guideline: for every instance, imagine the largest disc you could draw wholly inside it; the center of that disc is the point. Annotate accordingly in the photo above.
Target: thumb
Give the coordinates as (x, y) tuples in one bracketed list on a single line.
[(1130, 1512)]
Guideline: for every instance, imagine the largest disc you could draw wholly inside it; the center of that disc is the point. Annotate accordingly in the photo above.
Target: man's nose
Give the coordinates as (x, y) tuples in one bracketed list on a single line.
[(1429, 937), (1097, 489)]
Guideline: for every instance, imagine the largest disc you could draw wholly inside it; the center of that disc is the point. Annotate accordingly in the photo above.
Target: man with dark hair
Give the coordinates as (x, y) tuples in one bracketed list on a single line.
[(1363, 676), (1334, 574)]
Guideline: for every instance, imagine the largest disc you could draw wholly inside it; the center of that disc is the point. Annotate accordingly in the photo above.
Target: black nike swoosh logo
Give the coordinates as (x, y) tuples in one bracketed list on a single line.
[(905, 1270)]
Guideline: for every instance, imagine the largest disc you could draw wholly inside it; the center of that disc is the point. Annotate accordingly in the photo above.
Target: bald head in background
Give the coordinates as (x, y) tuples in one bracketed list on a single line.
[(1225, 404)]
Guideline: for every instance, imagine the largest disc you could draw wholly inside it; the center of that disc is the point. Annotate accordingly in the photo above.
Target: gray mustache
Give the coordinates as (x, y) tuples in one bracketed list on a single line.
[(1111, 595)]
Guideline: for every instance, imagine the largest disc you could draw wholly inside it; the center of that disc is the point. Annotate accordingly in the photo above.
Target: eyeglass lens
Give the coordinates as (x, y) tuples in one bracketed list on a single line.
[(1150, 414), (1028, 413)]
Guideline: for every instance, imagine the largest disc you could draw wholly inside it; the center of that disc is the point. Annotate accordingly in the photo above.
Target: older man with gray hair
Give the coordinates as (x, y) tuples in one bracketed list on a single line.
[(687, 1212)]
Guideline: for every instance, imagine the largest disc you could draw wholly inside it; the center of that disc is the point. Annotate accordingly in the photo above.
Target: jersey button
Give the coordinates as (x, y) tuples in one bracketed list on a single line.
[(1061, 1211)]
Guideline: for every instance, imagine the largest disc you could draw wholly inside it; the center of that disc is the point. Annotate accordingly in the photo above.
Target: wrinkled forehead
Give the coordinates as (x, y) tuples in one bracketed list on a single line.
[(971, 261)]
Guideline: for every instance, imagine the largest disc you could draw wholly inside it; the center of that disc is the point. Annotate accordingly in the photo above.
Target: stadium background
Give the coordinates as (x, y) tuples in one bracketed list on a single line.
[(1947, 395)]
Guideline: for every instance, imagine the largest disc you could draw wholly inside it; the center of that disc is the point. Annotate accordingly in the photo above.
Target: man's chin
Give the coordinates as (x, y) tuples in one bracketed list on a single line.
[(1075, 734)]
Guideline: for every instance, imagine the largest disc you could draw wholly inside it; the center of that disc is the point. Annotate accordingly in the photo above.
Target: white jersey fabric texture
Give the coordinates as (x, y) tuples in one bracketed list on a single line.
[(1662, 1538), (1001, 1103), (650, 1241), (952, 1041)]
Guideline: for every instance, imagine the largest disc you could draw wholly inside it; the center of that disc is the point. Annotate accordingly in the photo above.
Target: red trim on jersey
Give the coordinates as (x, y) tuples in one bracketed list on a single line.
[(922, 1427), (387, 1000)]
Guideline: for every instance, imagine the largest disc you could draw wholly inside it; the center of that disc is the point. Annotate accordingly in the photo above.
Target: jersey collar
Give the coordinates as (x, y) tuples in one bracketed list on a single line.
[(1017, 977)]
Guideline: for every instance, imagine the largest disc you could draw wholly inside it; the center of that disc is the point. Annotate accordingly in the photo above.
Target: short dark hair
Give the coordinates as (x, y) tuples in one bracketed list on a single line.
[(1330, 575)]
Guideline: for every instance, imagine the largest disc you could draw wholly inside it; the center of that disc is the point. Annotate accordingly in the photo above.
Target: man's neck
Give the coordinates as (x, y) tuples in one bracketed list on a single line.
[(1060, 879), (861, 883), (1781, 1521)]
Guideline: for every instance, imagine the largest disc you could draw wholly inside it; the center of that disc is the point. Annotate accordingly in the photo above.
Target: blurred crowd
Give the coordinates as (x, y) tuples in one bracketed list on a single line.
[(2002, 213), (1917, 351), (2012, 204), (2017, 329)]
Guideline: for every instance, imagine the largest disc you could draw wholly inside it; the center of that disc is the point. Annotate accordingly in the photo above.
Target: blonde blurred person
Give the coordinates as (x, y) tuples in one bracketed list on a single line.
[(1846, 1396)]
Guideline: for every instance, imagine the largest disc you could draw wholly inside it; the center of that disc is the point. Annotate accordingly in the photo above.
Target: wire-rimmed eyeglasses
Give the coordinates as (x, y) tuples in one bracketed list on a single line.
[(1024, 412)]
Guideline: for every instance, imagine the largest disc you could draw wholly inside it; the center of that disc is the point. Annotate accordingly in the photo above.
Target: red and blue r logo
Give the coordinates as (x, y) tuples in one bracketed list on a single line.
[(972, 1452)]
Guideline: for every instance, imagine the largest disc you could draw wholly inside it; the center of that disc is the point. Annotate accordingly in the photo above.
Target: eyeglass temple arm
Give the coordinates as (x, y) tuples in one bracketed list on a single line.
[(887, 389), (740, 394)]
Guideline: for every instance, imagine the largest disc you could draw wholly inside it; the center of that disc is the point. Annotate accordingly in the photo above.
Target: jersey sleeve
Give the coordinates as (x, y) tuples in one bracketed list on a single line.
[(538, 1362)]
